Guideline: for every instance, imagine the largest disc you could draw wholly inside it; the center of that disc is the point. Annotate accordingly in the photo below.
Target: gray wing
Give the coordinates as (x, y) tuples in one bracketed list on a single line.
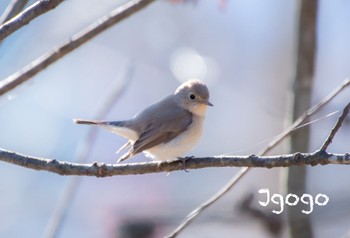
[(163, 127)]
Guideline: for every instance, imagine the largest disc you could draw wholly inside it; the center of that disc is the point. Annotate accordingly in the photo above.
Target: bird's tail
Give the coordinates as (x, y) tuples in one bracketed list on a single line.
[(99, 123), (88, 122), (117, 127)]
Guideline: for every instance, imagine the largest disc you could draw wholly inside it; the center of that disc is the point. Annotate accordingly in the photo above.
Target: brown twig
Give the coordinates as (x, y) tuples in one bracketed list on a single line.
[(36, 9), (14, 7), (336, 127), (306, 115), (71, 44)]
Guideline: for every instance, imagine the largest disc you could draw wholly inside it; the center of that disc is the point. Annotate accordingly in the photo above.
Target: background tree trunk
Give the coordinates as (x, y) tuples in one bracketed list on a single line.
[(299, 223)]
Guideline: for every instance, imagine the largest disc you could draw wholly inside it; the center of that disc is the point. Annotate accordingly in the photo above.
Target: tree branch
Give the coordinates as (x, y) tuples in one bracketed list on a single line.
[(98, 169), (36, 9), (14, 7), (71, 44), (331, 135)]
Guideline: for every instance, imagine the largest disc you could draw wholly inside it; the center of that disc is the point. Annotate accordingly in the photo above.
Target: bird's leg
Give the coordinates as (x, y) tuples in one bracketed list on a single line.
[(183, 161)]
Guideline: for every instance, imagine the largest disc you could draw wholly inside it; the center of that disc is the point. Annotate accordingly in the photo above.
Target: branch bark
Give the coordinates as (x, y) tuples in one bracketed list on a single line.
[(99, 169), (299, 225), (36, 9), (14, 7), (71, 44), (335, 129)]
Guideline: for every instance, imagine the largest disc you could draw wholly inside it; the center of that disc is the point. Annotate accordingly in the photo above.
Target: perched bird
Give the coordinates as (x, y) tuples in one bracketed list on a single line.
[(167, 129)]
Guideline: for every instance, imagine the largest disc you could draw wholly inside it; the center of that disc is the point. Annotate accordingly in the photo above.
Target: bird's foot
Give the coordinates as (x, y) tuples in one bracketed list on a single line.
[(183, 161)]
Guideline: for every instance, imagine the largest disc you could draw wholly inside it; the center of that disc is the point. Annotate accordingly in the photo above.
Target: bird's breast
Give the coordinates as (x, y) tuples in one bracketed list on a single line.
[(181, 144)]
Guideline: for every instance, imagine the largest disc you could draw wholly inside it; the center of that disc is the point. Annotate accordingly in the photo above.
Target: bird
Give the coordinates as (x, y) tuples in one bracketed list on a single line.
[(165, 130)]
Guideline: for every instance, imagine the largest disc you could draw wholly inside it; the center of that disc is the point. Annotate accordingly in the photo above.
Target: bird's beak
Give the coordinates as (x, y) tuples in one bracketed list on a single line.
[(208, 103)]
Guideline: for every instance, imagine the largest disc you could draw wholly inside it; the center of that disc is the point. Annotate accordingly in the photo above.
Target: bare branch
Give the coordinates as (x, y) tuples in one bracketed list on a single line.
[(331, 135), (306, 115), (98, 169), (71, 44), (14, 7), (36, 9)]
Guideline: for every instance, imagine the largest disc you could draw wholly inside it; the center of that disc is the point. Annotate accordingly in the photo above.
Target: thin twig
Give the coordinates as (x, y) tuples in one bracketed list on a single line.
[(72, 43), (190, 217), (36, 9), (336, 127), (69, 190), (306, 115), (14, 7), (230, 184)]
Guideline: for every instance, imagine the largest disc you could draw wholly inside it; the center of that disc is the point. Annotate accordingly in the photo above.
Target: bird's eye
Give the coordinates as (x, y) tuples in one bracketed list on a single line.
[(192, 96)]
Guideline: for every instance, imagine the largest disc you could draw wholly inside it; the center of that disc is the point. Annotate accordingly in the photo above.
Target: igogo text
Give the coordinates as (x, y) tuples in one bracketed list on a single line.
[(292, 200)]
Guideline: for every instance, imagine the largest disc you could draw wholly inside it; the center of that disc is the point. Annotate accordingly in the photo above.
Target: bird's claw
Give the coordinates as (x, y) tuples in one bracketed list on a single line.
[(183, 161)]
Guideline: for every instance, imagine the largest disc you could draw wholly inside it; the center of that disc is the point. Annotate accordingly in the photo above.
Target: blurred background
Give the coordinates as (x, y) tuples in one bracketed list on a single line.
[(244, 51)]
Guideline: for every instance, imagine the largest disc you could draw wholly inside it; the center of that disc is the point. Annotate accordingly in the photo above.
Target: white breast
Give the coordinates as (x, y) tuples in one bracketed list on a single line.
[(181, 144)]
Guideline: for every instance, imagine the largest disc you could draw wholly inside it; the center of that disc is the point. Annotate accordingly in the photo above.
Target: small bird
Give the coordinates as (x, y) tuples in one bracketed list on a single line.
[(167, 129)]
